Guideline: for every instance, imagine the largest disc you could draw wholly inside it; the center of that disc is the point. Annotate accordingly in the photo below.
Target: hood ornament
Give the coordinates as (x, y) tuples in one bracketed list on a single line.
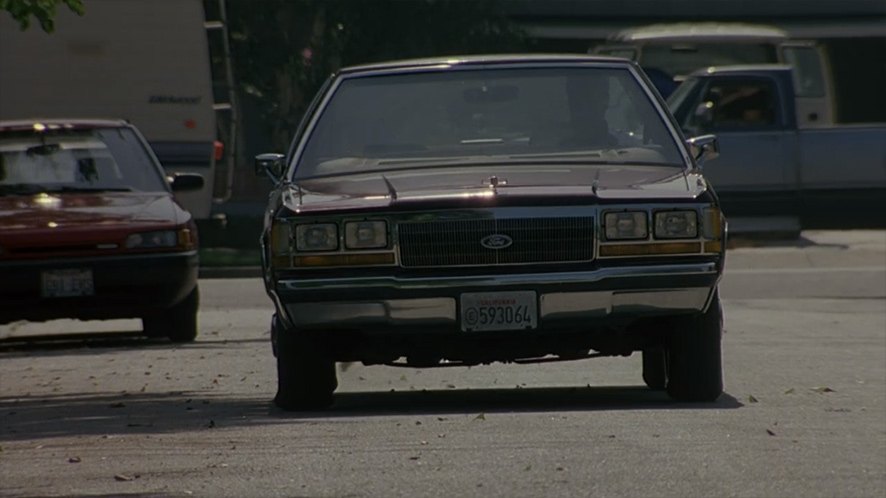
[(495, 181)]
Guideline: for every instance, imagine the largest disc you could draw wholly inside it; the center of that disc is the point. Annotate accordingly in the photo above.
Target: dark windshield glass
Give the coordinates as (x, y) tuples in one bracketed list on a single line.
[(75, 159), (388, 122)]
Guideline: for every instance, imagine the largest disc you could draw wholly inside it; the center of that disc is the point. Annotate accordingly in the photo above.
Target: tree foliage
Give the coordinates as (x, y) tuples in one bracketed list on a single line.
[(41, 10), (283, 50)]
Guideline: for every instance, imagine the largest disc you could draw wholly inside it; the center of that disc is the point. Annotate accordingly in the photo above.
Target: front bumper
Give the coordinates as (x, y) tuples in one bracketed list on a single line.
[(130, 286), (566, 300)]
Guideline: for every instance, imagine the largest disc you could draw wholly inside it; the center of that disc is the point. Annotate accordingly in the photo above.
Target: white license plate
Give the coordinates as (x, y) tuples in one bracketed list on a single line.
[(67, 283), (498, 311)]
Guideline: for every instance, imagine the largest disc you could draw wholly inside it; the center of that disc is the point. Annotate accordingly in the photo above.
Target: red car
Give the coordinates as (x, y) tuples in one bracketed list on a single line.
[(89, 228)]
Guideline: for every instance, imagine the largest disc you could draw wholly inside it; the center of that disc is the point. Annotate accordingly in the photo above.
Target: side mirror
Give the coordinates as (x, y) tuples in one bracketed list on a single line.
[(270, 165), (183, 182), (703, 148)]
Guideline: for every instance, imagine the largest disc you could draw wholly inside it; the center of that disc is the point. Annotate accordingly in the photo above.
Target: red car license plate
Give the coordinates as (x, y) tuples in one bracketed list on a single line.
[(67, 283)]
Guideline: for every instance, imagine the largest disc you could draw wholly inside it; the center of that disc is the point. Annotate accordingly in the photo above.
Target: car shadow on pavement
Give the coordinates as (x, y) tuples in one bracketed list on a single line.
[(93, 342), (34, 417), (509, 400)]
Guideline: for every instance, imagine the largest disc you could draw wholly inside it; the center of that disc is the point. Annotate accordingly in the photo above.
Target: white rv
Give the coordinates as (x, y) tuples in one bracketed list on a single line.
[(145, 62)]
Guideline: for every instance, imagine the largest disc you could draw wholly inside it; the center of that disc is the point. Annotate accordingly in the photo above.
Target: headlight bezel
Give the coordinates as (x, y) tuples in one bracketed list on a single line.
[(661, 217), (612, 218), (301, 244), (380, 236), (153, 239)]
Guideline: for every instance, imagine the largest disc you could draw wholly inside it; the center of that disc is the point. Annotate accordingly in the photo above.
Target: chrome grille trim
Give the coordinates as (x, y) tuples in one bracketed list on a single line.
[(456, 242)]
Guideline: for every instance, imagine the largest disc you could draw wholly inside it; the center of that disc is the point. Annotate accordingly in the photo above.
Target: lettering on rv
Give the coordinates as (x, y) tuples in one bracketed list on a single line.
[(173, 99)]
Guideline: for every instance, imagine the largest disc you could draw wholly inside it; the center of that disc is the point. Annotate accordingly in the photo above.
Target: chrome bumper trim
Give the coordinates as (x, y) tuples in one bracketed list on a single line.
[(524, 279), (442, 311)]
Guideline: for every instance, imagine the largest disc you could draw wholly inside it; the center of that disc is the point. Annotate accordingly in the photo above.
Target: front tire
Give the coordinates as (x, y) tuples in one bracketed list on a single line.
[(178, 323), (306, 376), (655, 368), (694, 356)]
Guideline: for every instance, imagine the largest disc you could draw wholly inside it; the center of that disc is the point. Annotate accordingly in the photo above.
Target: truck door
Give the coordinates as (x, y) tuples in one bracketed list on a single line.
[(754, 174), (811, 83)]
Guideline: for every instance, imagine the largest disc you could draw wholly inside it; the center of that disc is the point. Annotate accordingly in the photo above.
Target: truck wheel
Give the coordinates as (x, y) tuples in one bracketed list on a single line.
[(694, 357), (305, 376), (178, 323), (654, 369)]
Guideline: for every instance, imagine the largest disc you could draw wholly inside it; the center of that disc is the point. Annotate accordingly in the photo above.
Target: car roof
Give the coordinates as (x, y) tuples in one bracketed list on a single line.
[(699, 31), (480, 60), (57, 123)]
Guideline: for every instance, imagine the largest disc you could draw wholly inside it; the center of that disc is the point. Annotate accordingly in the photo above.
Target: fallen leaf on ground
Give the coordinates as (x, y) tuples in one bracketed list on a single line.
[(790, 391), (769, 431), (482, 416), (123, 477), (752, 399)]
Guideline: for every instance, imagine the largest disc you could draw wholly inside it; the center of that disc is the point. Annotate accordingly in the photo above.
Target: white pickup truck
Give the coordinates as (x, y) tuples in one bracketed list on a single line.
[(770, 164), (670, 52)]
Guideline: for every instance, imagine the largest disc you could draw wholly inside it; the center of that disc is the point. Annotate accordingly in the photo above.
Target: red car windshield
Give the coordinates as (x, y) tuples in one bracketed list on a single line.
[(100, 159)]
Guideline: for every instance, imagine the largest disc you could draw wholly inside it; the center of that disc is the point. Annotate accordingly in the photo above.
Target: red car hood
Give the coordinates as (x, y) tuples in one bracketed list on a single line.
[(94, 211)]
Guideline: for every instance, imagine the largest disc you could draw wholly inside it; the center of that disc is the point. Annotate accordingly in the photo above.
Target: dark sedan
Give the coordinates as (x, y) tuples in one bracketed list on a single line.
[(502, 208), (89, 228)]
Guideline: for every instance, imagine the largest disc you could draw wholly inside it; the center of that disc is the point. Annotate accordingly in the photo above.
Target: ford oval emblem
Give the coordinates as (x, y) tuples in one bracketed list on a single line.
[(496, 241)]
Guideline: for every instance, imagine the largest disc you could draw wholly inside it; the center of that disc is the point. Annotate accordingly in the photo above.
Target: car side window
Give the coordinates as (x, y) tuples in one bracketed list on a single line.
[(735, 105)]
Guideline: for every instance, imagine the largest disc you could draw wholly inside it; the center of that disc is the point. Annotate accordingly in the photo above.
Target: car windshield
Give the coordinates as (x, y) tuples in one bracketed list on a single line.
[(54, 160), (483, 116)]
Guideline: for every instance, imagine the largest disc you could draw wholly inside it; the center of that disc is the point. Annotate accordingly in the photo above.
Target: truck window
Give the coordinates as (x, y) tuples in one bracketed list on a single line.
[(735, 104)]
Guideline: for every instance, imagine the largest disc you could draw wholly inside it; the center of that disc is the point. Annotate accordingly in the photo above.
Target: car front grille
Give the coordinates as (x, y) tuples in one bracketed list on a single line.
[(459, 242)]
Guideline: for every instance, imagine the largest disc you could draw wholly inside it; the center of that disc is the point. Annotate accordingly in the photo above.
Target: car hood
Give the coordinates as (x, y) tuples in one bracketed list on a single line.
[(564, 183), (96, 211)]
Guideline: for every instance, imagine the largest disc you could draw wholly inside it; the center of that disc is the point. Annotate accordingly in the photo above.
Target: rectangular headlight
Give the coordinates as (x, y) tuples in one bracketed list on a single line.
[(366, 235), (152, 240), (316, 237), (625, 225), (676, 225)]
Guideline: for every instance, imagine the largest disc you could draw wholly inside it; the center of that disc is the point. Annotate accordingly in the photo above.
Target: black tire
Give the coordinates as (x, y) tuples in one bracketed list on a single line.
[(178, 323), (306, 376), (694, 356), (655, 369)]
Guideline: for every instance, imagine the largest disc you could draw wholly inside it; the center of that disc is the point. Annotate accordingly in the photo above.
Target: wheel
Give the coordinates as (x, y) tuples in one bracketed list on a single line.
[(654, 368), (694, 357), (178, 323), (306, 376)]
